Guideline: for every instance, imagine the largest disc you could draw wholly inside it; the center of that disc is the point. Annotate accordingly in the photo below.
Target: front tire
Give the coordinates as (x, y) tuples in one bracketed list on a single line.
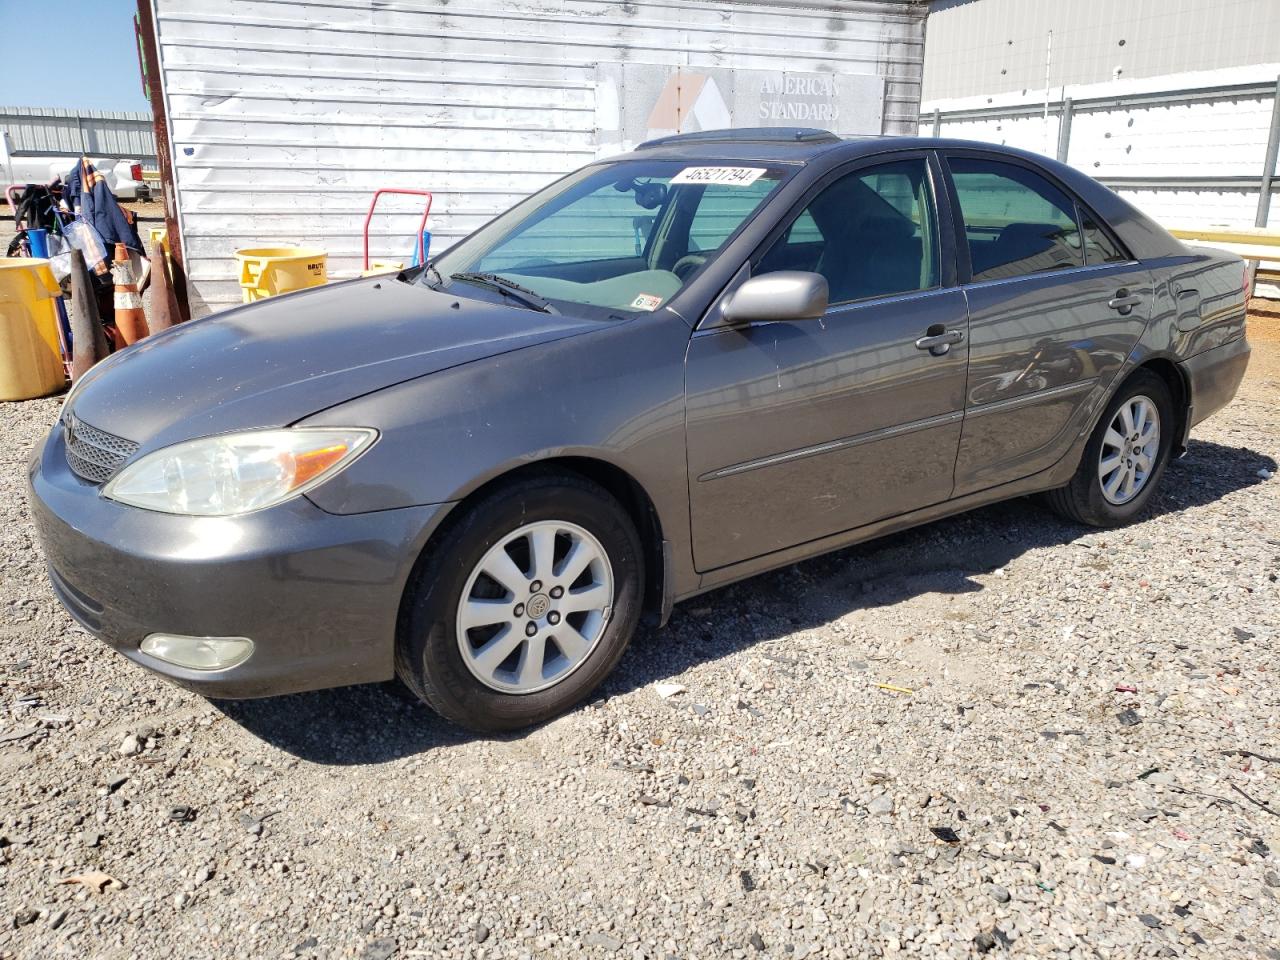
[(1125, 457), (524, 605)]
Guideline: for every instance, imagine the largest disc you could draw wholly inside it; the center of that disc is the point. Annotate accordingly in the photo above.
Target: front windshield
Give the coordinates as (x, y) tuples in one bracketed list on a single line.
[(623, 236)]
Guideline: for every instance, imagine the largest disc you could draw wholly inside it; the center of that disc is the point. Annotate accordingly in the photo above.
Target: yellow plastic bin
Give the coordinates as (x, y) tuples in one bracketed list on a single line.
[(268, 271), (30, 359), (378, 267)]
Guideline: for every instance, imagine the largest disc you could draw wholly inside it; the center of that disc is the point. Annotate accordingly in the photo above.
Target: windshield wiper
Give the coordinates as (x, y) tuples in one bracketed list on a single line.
[(508, 288)]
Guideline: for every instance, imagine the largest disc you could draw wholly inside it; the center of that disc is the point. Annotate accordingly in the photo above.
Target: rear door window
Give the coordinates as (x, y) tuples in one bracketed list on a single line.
[(1016, 222)]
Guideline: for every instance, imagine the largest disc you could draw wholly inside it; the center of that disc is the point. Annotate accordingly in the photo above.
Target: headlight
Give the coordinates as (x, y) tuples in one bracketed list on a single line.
[(237, 472)]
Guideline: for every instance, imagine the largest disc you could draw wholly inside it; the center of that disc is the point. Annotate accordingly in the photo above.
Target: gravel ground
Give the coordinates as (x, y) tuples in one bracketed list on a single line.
[(1087, 766)]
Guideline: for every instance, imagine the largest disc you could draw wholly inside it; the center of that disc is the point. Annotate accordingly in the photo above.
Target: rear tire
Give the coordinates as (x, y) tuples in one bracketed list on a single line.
[(497, 631), (1122, 463)]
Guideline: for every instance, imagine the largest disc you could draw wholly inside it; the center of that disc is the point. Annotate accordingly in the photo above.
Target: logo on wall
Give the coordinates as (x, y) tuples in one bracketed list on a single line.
[(689, 102), (804, 98), (637, 101), (693, 101)]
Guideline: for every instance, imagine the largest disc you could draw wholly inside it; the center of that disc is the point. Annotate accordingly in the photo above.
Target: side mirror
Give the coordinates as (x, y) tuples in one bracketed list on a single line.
[(781, 295)]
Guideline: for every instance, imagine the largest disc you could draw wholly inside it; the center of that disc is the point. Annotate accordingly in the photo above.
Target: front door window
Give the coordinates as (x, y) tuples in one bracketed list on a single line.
[(871, 234)]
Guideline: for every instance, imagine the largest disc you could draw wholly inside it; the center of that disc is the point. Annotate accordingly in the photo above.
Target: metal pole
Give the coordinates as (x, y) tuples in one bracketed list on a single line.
[(160, 122), (1269, 171), (937, 122), (1064, 130), (1048, 64)]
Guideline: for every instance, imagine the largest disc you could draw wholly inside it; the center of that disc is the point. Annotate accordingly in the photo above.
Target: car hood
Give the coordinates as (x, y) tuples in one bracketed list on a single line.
[(271, 363)]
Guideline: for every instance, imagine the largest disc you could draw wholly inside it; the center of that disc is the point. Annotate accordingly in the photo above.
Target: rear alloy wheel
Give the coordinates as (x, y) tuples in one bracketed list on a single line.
[(1124, 458), (1130, 445), (524, 605)]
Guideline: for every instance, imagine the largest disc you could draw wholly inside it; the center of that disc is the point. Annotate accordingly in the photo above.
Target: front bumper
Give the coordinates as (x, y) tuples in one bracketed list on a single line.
[(317, 593)]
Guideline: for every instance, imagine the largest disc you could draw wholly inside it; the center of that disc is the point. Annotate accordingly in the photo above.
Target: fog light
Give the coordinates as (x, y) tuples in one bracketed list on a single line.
[(198, 653)]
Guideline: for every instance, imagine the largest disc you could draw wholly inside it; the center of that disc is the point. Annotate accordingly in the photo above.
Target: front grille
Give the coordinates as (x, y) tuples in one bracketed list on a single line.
[(94, 454)]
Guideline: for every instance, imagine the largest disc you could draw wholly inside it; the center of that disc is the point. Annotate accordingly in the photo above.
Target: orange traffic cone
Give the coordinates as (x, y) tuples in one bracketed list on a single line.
[(130, 320)]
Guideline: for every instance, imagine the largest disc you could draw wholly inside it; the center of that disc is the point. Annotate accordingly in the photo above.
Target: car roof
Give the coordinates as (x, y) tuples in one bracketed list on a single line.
[(792, 145), (785, 144), (1145, 238)]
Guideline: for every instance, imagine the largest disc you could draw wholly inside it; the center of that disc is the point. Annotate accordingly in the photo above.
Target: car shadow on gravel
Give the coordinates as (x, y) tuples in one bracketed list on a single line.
[(377, 723)]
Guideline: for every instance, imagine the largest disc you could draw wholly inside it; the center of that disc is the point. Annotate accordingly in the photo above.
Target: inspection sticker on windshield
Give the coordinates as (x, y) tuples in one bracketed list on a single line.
[(646, 301), (731, 176)]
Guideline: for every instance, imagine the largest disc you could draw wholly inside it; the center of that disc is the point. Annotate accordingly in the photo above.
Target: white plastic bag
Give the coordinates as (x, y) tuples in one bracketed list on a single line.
[(82, 235), (59, 257)]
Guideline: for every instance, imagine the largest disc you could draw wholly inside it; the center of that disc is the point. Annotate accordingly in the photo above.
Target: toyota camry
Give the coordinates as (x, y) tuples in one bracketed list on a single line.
[(718, 354)]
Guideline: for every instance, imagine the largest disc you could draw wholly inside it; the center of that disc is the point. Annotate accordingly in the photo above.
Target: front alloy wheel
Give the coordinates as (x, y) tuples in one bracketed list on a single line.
[(535, 607), (522, 603)]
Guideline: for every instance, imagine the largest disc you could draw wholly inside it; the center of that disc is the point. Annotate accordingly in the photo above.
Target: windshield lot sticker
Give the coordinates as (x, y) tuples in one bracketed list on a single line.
[(730, 176), (646, 301)]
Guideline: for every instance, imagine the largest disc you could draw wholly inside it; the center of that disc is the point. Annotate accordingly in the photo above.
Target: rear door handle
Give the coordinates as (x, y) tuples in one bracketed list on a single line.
[(1123, 302), (939, 342)]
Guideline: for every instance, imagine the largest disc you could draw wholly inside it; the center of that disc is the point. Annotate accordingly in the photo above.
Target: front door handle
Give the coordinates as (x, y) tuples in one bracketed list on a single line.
[(938, 340), (1123, 302)]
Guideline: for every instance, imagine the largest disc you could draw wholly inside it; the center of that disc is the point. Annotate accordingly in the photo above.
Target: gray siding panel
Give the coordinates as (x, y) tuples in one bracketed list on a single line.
[(285, 115)]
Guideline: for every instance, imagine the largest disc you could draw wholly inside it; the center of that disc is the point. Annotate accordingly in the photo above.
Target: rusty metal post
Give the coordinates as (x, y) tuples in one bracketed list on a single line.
[(180, 307)]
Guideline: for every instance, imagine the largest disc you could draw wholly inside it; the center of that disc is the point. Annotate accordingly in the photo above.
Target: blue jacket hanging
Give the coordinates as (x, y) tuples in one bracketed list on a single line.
[(86, 191)]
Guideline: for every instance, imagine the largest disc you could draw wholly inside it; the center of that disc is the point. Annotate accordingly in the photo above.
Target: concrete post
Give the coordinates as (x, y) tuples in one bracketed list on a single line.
[(1064, 130), (1269, 169)]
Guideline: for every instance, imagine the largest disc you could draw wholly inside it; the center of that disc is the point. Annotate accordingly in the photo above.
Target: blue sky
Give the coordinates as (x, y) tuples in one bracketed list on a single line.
[(88, 59)]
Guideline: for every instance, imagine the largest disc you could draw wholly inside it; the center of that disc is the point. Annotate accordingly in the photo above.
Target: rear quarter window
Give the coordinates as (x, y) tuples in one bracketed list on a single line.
[(1098, 245)]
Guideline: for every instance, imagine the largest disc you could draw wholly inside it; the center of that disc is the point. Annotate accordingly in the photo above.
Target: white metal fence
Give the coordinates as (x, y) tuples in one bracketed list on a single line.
[(99, 133), (1196, 151)]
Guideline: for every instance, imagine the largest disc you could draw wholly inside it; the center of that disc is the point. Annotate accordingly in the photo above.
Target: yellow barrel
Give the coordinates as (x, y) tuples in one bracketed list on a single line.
[(30, 359), (268, 271), (378, 267)]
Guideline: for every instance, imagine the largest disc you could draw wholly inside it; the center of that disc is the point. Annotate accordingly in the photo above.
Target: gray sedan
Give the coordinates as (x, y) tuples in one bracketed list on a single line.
[(716, 355)]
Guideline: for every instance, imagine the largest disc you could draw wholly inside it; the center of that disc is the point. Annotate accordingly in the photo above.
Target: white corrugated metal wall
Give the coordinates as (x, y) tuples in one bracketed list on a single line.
[(285, 115)]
